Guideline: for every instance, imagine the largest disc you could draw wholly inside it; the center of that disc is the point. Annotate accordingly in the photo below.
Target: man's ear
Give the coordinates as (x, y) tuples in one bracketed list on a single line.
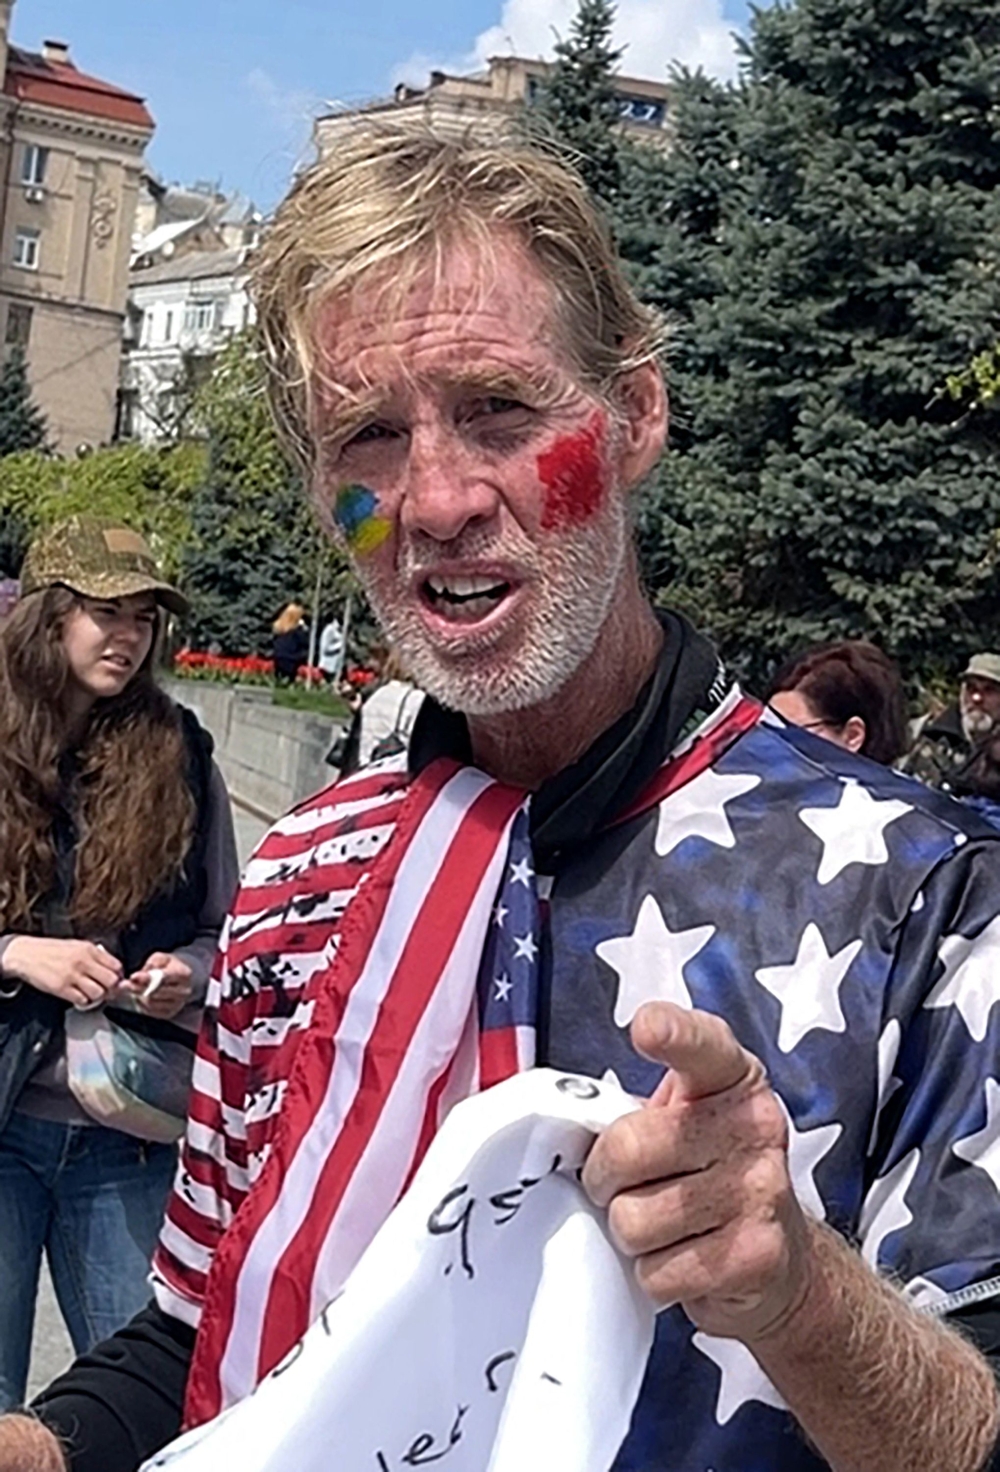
[(642, 403)]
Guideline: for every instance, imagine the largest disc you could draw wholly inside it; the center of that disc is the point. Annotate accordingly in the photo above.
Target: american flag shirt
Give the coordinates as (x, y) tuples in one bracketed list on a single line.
[(844, 921)]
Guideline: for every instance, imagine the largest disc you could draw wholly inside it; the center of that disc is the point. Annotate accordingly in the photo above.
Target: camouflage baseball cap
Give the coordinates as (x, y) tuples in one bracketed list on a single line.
[(98, 558)]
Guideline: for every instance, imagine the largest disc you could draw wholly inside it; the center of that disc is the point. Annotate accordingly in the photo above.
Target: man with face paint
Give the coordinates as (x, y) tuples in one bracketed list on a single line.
[(788, 951)]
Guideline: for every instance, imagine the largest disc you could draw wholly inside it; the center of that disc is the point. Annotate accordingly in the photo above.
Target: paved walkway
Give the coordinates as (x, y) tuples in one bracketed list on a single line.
[(51, 1351)]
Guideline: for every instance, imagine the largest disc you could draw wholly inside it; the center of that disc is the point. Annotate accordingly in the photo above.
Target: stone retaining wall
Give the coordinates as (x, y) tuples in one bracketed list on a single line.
[(271, 758)]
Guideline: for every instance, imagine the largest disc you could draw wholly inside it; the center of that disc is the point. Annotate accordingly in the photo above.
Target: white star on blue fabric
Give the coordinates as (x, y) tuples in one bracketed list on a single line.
[(500, 914), (809, 988), (806, 1148), (742, 1379), (853, 831), (971, 980), (503, 985), (697, 810), (522, 872), (525, 948), (650, 962), (982, 1149), (885, 1209), (888, 1051)]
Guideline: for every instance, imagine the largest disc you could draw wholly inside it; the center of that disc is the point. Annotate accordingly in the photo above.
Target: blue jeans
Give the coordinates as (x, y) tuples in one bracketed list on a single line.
[(93, 1199)]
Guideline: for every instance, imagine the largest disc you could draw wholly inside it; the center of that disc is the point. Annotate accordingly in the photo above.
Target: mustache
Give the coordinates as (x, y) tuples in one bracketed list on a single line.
[(419, 551)]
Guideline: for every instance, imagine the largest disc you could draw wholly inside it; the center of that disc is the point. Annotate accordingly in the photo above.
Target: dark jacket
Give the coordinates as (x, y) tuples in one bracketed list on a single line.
[(939, 751), (30, 1020), (290, 651)]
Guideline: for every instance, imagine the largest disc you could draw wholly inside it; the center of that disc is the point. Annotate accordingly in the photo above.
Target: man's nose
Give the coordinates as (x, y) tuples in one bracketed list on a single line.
[(444, 491)]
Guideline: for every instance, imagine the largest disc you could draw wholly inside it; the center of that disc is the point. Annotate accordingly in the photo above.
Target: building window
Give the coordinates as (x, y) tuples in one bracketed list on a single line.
[(26, 249), (168, 328), (648, 112), (200, 316), (33, 164), (18, 325)]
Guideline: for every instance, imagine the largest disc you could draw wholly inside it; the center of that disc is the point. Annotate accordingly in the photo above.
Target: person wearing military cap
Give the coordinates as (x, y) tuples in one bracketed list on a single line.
[(117, 864), (97, 558), (946, 744)]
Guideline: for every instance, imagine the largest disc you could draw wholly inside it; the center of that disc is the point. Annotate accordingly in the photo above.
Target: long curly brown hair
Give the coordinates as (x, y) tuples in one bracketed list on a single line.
[(131, 805)]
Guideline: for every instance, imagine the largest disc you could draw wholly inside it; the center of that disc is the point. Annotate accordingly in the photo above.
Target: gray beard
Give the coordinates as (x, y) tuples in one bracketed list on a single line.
[(572, 603), (977, 725)]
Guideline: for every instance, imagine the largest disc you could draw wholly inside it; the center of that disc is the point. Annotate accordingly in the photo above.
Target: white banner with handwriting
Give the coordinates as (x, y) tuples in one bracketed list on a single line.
[(490, 1327)]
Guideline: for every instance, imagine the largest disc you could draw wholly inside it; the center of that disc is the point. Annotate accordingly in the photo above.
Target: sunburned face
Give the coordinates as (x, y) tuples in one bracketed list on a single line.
[(475, 481), (106, 642)]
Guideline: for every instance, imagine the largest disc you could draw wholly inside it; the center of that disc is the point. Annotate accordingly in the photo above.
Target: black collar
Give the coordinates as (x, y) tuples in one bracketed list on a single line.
[(586, 796)]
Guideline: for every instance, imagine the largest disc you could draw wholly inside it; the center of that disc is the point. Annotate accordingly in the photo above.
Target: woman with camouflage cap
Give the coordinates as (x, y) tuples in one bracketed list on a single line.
[(117, 864)]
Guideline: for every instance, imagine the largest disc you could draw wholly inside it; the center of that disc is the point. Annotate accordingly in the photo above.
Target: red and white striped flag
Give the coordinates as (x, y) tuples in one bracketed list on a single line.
[(393, 1036)]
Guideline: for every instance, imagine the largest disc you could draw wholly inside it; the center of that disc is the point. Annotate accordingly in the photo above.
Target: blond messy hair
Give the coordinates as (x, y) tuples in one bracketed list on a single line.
[(388, 201)]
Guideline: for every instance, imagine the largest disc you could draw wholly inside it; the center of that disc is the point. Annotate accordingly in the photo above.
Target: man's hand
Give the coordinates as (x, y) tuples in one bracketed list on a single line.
[(170, 994), (697, 1184), (79, 971), (28, 1446)]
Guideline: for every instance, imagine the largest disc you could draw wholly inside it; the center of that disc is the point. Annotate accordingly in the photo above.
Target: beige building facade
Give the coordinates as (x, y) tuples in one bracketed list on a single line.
[(509, 83), (71, 158)]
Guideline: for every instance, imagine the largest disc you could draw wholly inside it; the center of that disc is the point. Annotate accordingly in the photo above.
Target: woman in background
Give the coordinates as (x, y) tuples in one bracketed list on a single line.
[(850, 693), (290, 646), (117, 865)]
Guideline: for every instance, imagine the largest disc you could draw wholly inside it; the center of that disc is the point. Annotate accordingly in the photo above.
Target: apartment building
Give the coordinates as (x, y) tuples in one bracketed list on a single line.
[(71, 158), (187, 296), (509, 83), (182, 311)]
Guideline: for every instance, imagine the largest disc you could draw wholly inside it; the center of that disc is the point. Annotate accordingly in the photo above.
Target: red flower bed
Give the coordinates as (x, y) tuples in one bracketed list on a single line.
[(198, 664), (223, 665)]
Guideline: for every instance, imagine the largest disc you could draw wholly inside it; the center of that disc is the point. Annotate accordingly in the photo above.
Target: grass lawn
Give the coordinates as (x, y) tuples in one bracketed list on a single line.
[(314, 698)]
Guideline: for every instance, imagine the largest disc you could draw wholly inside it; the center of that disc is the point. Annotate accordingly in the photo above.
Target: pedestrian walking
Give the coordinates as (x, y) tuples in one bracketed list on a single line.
[(290, 645), (331, 648)]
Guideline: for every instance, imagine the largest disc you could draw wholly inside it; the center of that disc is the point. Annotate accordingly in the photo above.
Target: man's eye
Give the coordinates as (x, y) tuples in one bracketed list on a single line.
[(497, 404), (369, 434), (495, 413)]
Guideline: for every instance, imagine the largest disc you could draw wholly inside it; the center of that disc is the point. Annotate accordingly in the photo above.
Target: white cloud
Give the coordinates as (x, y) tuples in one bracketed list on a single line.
[(293, 110), (655, 33)]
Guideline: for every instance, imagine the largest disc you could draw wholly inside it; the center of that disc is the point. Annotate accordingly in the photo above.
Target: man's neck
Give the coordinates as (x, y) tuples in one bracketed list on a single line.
[(526, 747)]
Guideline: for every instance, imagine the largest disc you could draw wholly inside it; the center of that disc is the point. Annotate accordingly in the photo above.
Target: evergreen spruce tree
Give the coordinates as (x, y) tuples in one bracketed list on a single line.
[(14, 540), (822, 483), (22, 424), (578, 98), (255, 541)]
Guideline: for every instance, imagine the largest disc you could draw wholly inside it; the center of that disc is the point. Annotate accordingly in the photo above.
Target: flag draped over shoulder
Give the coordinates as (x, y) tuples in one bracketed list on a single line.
[(394, 1032)]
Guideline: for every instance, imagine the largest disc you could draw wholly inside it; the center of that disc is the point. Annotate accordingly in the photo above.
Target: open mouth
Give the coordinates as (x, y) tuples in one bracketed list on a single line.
[(465, 599)]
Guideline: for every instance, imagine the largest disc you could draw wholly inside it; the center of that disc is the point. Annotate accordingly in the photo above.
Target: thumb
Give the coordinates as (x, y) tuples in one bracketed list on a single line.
[(698, 1048), (158, 958)]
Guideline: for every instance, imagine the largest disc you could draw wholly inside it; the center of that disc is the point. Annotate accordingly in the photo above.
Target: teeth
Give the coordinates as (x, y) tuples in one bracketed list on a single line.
[(463, 587)]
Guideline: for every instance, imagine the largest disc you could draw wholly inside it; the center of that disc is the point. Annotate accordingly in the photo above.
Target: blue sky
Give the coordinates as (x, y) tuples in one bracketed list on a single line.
[(233, 83)]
